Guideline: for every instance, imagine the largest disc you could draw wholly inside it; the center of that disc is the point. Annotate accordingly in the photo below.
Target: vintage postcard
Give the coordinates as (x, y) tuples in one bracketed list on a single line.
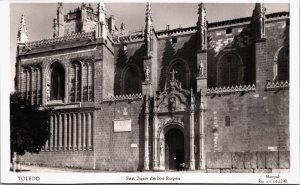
[(150, 92)]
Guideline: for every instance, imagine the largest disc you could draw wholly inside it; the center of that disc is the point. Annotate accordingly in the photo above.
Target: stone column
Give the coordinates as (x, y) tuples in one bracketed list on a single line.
[(201, 133), (60, 123), (92, 127), (66, 99), (192, 135), (75, 84), (31, 85), (79, 132), (65, 132), (54, 132), (87, 82), (162, 153), (74, 129), (44, 86), (81, 82), (57, 129), (90, 134), (83, 131), (37, 85), (69, 131), (155, 122), (27, 84), (146, 155), (51, 133)]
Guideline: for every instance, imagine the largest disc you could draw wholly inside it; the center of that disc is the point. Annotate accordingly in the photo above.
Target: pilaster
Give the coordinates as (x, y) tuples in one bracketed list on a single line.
[(65, 138), (201, 49), (162, 153), (155, 124), (192, 134), (50, 140), (148, 77), (60, 128), (74, 128), (260, 76), (146, 154), (66, 98), (201, 119), (60, 19)]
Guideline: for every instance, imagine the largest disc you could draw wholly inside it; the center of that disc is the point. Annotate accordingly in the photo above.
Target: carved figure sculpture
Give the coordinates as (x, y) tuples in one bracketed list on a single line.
[(147, 73), (201, 68), (172, 103)]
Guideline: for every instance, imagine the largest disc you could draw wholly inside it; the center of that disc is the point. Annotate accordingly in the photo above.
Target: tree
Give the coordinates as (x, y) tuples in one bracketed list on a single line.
[(29, 126)]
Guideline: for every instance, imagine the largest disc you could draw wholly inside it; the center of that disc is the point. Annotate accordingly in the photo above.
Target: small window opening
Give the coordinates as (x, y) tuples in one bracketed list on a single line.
[(174, 40), (227, 121), (229, 31)]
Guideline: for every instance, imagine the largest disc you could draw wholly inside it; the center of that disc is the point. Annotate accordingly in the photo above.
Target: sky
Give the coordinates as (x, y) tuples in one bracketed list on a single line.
[(39, 17)]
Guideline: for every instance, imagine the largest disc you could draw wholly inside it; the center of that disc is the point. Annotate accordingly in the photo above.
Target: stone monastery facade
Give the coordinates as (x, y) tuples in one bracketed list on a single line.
[(214, 96)]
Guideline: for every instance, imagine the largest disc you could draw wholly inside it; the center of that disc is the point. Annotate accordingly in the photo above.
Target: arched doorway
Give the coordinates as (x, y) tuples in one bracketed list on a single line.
[(174, 148)]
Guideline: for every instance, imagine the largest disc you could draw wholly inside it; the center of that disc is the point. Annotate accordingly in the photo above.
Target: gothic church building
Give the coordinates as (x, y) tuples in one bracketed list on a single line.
[(214, 96)]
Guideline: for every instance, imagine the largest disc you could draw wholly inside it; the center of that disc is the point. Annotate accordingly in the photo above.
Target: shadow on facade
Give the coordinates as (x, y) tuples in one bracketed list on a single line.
[(123, 60), (241, 44), (186, 52)]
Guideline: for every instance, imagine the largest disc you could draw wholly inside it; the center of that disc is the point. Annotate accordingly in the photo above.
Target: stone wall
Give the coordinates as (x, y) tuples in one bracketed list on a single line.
[(248, 162), (74, 159), (119, 151), (277, 36), (108, 73), (259, 121)]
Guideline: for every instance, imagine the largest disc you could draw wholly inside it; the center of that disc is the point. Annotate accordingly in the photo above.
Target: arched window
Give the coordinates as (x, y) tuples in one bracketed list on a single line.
[(230, 70), (281, 65), (75, 85), (57, 82), (132, 82), (181, 73)]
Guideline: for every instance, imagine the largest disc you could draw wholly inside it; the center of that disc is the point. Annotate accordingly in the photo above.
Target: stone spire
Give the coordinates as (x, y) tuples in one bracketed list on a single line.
[(192, 101), (60, 19), (202, 27), (122, 29), (259, 19), (55, 28), (83, 17), (148, 29), (101, 26), (101, 12), (22, 31)]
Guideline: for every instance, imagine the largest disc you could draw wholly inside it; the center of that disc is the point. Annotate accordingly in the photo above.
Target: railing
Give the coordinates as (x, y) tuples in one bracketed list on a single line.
[(129, 36), (277, 85), (69, 37), (162, 33), (230, 90), (125, 97)]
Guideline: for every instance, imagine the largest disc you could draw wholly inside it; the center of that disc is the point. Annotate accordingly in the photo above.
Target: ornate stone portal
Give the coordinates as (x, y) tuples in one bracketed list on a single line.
[(172, 109)]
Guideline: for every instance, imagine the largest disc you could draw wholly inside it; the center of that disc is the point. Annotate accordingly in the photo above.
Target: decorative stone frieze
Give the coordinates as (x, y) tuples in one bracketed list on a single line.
[(277, 85), (230, 90), (124, 97), (69, 37)]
